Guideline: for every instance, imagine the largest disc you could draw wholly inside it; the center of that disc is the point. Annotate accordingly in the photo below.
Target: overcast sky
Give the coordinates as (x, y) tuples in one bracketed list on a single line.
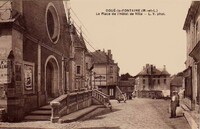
[(136, 40)]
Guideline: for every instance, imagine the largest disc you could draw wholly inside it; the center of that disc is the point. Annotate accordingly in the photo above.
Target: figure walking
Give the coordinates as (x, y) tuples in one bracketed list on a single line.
[(174, 103)]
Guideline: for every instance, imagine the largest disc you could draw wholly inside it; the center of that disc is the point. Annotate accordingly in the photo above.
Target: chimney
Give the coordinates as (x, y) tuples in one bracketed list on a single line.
[(164, 67), (109, 54), (151, 69), (147, 68)]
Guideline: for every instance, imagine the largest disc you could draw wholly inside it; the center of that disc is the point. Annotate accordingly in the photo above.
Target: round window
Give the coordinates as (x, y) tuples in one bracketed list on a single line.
[(52, 23)]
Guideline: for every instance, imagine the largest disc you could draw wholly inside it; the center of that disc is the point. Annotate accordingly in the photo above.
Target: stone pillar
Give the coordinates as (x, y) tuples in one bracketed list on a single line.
[(63, 75), (198, 83), (39, 75), (55, 112), (15, 99)]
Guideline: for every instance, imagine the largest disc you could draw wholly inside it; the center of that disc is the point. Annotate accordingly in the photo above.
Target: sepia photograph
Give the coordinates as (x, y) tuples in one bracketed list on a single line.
[(99, 64)]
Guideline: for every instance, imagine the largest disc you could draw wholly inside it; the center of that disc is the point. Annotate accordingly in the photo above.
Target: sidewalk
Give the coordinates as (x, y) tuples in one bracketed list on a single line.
[(191, 116)]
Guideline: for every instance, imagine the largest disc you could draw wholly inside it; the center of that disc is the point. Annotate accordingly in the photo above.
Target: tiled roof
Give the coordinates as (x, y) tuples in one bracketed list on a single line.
[(165, 72), (78, 40), (177, 81), (101, 57), (152, 70)]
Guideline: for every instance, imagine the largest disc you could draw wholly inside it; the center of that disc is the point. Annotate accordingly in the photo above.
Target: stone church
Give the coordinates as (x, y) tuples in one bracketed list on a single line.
[(36, 57)]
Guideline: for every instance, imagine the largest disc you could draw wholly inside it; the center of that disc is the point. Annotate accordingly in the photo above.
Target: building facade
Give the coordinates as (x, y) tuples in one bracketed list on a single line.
[(151, 79), (81, 62), (192, 72), (127, 86), (176, 84), (105, 72), (39, 55)]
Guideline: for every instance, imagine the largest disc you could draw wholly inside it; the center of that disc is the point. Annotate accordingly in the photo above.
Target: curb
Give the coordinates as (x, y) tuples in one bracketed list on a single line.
[(190, 120), (188, 117)]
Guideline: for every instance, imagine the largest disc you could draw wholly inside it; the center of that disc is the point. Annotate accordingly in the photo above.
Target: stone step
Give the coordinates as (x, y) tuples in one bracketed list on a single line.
[(79, 114), (37, 118), (46, 107), (41, 112), (95, 113)]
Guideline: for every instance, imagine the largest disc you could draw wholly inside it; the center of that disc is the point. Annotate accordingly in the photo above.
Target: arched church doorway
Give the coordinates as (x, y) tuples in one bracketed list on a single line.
[(52, 78)]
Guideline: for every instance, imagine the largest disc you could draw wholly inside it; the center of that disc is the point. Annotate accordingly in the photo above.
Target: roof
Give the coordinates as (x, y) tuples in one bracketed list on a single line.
[(7, 14), (176, 81), (152, 70), (100, 57), (191, 12), (78, 40)]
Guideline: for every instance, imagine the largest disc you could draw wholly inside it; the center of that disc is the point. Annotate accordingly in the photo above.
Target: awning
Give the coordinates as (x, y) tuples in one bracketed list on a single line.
[(187, 72), (195, 53)]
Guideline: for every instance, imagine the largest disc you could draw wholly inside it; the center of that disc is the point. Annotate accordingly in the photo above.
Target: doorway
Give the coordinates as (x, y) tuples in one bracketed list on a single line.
[(111, 92), (51, 79)]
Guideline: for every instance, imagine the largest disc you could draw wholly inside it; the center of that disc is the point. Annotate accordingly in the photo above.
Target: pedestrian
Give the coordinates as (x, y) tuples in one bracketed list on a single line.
[(174, 103), (108, 103), (133, 94), (124, 97), (119, 98)]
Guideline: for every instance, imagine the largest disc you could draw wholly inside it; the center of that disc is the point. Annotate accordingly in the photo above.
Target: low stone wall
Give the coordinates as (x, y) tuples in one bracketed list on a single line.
[(66, 104), (2, 114)]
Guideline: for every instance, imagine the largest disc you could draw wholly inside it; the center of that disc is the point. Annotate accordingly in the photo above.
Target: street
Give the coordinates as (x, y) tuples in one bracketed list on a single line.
[(136, 114)]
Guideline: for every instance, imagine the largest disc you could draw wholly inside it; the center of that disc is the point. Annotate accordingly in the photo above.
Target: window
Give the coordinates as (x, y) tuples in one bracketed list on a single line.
[(165, 81), (111, 69), (158, 81), (78, 69), (143, 81), (154, 81), (52, 23), (111, 79), (111, 92)]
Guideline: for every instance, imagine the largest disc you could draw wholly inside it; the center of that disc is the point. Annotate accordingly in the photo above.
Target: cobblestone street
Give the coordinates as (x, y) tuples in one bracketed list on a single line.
[(134, 114)]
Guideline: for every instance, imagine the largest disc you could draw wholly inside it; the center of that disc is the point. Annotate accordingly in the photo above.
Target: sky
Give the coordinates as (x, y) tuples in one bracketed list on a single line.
[(135, 40)]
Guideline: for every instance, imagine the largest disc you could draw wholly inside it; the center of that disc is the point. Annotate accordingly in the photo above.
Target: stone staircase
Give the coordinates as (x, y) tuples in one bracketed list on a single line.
[(42, 114), (57, 107)]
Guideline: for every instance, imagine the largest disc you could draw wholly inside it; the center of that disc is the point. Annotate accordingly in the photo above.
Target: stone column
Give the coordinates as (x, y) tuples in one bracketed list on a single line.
[(15, 99), (39, 75)]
